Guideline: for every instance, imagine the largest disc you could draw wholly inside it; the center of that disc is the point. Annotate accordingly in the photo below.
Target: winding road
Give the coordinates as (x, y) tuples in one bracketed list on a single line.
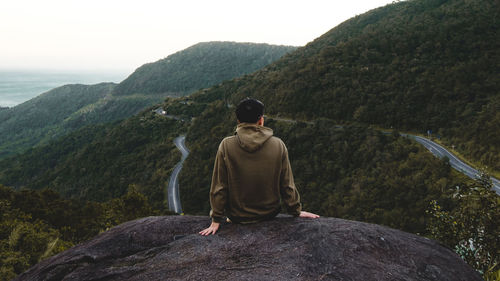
[(434, 148), (174, 202), (456, 163)]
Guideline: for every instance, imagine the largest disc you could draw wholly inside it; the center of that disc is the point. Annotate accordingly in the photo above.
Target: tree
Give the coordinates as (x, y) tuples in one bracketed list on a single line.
[(471, 228)]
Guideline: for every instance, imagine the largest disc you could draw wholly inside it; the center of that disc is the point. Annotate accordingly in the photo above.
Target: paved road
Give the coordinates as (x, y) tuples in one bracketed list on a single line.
[(288, 120), (435, 149), (174, 202), (456, 163)]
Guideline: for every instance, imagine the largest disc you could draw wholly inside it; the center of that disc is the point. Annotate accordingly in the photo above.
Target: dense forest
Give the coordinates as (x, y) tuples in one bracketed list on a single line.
[(411, 66), (39, 119), (200, 66), (70, 107), (38, 224), (99, 162)]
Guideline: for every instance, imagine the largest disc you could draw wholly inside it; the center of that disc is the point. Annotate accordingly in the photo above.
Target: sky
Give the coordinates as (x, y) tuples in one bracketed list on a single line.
[(121, 35)]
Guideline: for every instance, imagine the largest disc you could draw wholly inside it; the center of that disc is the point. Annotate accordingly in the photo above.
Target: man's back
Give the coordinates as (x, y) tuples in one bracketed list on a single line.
[(257, 173)]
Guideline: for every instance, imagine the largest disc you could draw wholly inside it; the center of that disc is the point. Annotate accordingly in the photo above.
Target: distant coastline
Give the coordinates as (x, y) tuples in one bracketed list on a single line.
[(18, 86)]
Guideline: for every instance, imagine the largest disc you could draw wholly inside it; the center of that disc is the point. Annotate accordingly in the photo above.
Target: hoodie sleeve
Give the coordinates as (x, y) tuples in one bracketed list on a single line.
[(289, 193), (218, 188)]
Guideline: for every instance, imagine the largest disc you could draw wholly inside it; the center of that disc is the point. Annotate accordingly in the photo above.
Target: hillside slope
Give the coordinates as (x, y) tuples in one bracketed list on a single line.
[(100, 162), (39, 119), (199, 66), (419, 65), (67, 108)]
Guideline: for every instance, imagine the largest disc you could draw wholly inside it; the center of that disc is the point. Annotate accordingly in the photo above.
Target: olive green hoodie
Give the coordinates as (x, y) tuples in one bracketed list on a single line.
[(251, 173)]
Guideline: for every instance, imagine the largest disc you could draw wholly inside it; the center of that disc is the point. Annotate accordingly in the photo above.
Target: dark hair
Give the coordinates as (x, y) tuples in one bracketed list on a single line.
[(249, 110)]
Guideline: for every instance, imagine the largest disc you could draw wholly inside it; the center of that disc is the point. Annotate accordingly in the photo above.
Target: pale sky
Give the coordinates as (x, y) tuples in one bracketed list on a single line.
[(124, 34)]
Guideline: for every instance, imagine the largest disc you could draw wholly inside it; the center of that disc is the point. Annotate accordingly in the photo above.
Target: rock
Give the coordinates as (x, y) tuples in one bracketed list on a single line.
[(286, 248)]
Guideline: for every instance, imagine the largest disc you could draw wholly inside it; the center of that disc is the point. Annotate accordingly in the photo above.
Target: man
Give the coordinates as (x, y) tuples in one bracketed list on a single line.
[(251, 173)]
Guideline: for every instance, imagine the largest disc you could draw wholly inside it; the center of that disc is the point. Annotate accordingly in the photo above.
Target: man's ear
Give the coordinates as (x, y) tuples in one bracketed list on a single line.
[(261, 121)]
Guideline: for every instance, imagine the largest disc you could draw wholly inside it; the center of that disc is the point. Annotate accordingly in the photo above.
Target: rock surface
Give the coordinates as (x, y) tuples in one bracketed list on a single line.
[(286, 248)]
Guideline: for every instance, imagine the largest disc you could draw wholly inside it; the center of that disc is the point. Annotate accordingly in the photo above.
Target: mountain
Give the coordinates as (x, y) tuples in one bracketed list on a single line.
[(70, 107), (169, 248), (100, 162), (417, 66), (200, 66), (39, 120)]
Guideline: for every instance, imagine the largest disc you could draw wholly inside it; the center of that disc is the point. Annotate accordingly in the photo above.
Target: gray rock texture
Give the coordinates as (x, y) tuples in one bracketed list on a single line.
[(286, 248)]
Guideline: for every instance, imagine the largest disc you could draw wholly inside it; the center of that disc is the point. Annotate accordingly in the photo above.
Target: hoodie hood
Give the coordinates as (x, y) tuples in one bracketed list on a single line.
[(251, 137)]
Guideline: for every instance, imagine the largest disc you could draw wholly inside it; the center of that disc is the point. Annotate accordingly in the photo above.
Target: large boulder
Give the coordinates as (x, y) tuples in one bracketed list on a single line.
[(286, 248)]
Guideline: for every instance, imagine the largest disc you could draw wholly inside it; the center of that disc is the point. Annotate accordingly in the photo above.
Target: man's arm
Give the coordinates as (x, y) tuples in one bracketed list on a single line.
[(289, 193), (218, 193)]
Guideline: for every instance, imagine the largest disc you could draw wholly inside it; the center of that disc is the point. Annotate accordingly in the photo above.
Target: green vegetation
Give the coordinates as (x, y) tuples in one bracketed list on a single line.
[(100, 162), (412, 66), (471, 226), (71, 107), (200, 66), (39, 119), (479, 139), (37, 224)]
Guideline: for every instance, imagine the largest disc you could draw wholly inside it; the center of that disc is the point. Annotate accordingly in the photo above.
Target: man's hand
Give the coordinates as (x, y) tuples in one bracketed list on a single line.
[(304, 214), (211, 229)]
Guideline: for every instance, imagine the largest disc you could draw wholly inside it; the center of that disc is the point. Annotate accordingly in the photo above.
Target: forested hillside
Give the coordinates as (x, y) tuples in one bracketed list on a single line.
[(200, 66), (39, 120), (413, 66), (67, 108), (99, 162), (35, 225)]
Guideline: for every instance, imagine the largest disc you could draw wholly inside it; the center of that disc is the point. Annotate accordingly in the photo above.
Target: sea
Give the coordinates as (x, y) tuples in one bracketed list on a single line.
[(18, 86)]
